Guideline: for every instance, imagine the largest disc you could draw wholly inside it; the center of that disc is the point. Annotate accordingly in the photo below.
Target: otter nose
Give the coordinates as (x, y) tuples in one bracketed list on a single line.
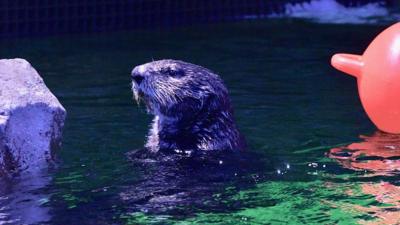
[(138, 78)]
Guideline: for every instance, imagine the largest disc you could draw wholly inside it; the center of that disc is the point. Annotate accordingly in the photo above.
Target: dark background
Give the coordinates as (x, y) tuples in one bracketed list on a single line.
[(49, 17)]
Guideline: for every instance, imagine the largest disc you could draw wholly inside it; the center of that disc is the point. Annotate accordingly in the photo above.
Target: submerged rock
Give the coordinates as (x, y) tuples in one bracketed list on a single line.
[(31, 118)]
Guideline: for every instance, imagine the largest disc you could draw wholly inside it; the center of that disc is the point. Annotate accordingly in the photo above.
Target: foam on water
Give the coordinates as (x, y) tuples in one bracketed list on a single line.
[(330, 11)]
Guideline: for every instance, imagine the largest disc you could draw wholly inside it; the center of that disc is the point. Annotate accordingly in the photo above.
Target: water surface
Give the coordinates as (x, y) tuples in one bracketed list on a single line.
[(298, 114)]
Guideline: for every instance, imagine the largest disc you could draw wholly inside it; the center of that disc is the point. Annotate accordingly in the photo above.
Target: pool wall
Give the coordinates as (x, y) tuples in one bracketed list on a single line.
[(49, 17)]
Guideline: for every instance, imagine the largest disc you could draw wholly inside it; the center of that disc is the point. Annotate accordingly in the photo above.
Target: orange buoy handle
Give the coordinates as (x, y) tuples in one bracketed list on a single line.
[(348, 63)]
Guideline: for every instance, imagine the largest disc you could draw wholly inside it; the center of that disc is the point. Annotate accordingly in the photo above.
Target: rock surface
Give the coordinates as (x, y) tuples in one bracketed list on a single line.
[(31, 118)]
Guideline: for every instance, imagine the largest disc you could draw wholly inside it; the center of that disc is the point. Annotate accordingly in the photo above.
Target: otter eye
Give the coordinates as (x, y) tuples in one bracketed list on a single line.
[(172, 72)]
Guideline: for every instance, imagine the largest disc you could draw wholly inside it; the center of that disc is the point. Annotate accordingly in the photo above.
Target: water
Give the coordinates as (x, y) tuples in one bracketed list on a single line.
[(314, 157)]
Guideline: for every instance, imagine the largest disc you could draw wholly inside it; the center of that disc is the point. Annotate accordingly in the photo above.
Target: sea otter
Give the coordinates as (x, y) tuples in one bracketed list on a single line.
[(191, 107)]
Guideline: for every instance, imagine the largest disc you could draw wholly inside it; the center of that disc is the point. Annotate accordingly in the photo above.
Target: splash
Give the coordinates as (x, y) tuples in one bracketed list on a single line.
[(330, 11)]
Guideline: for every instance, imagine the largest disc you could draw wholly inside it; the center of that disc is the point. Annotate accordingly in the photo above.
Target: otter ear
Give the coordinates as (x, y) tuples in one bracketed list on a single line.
[(210, 101), (214, 101)]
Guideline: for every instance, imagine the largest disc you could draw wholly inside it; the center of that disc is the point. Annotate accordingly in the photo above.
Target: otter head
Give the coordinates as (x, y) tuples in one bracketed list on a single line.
[(178, 89)]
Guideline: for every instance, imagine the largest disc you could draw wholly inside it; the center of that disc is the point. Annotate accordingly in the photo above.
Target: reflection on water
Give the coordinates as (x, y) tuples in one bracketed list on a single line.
[(377, 155), (23, 200), (181, 185), (387, 194)]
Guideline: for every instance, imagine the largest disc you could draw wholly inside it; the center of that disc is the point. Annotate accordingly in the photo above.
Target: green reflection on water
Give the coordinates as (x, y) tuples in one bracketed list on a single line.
[(294, 203)]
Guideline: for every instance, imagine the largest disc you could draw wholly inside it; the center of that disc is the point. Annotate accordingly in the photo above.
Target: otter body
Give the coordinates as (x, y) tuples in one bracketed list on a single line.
[(191, 107)]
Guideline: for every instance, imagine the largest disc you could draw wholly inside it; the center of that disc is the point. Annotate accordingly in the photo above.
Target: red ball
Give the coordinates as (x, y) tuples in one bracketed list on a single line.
[(378, 77)]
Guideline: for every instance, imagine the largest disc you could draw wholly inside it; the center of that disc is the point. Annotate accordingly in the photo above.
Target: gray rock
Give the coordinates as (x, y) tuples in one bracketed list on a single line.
[(31, 118)]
